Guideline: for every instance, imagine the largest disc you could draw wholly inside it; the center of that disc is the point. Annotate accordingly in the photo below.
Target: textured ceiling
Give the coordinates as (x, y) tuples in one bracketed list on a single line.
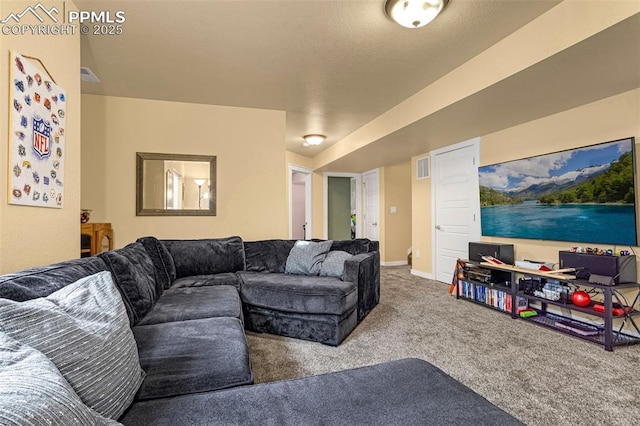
[(331, 65), (601, 66)]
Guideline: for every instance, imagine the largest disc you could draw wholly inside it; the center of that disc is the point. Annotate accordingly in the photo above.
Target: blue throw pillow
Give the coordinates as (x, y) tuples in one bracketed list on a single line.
[(306, 257)]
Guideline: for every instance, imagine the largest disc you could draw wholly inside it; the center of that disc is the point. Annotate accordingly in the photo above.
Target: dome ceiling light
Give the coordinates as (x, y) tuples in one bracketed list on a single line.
[(414, 13), (314, 139)]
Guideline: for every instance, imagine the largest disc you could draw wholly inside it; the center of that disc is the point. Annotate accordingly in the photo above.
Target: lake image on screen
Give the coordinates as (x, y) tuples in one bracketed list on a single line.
[(584, 195), (589, 223)]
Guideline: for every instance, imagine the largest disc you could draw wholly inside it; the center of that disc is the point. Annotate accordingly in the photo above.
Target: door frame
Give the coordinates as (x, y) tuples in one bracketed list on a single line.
[(375, 172), (475, 144), (308, 193), (325, 201)]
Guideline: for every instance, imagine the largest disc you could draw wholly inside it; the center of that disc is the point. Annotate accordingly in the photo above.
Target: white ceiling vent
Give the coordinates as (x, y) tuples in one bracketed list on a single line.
[(422, 168), (87, 75)]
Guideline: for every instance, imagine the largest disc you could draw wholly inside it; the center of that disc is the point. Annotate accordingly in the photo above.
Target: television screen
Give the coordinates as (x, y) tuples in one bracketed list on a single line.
[(584, 195)]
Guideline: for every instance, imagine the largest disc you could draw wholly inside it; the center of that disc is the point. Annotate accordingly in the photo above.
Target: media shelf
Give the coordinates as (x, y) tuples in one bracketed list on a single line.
[(608, 329)]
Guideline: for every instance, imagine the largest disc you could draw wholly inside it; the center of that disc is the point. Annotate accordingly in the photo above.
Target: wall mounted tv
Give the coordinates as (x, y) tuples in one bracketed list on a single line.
[(583, 195)]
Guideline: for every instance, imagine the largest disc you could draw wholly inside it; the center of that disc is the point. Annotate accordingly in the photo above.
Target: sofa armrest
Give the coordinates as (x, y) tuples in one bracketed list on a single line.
[(364, 270)]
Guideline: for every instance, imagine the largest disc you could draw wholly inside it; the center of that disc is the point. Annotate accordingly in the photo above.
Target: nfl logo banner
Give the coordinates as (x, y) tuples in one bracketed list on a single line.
[(37, 147), (41, 138)]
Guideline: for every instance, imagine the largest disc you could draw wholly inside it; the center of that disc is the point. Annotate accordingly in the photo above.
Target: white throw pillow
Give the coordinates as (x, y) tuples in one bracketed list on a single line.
[(32, 391), (84, 330)]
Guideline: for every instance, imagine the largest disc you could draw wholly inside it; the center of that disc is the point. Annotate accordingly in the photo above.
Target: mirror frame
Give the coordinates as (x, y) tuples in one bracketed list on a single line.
[(142, 156)]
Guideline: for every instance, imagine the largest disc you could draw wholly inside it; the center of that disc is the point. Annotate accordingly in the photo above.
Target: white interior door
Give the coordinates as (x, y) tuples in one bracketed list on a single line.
[(456, 205), (299, 203), (371, 205)]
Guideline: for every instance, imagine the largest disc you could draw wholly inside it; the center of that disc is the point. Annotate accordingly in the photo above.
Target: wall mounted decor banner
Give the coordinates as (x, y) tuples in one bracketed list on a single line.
[(37, 151)]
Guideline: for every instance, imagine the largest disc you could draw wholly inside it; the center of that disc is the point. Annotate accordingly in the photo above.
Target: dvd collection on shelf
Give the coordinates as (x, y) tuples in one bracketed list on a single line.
[(498, 299)]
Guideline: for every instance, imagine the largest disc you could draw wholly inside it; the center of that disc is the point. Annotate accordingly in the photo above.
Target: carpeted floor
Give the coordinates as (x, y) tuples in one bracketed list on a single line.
[(540, 376)]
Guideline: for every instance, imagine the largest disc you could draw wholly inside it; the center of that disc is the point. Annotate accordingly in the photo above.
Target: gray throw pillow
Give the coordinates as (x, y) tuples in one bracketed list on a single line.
[(306, 257), (333, 265), (84, 330), (32, 391)]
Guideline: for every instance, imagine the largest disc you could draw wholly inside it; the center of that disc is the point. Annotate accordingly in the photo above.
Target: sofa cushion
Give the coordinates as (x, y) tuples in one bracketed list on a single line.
[(205, 257), (44, 280), (162, 260), (134, 273), (298, 293), (189, 303), (333, 265), (84, 330), (306, 257), (322, 328), (192, 356), (403, 392), (31, 387), (267, 255), (227, 278)]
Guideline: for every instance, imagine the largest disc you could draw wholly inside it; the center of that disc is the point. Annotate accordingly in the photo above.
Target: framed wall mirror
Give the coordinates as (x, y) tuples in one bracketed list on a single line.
[(175, 184)]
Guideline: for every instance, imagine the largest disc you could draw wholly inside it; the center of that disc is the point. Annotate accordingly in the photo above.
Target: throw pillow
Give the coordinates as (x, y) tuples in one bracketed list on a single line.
[(84, 330), (333, 265), (306, 257), (32, 390)]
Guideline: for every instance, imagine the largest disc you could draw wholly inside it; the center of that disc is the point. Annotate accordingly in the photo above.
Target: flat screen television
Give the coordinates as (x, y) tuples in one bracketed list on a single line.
[(582, 195)]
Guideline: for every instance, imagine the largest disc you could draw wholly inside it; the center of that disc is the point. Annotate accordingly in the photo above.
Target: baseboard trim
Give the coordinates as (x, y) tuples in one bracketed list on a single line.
[(394, 263), (421, 274)]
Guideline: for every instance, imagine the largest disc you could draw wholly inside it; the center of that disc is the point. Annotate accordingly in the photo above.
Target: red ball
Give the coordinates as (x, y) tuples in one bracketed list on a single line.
[(581, 298)]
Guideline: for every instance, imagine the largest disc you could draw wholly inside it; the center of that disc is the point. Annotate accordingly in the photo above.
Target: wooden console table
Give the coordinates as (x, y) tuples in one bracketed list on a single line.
[(95, 238)]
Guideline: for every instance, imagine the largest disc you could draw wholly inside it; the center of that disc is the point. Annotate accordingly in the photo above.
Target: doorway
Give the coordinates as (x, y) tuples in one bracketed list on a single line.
[(299, 203), (456, 205), (339, 208), (342, 205)]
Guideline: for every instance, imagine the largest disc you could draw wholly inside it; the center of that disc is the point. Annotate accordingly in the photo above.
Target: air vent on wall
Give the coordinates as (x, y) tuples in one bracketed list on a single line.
[(87, 75), (422, 167)]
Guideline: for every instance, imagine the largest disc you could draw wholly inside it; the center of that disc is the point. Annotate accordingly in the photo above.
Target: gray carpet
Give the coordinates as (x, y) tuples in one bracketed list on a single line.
[(537, 375)]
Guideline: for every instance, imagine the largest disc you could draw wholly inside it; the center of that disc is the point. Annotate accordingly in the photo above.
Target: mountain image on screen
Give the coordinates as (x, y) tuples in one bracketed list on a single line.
[(581, 195)]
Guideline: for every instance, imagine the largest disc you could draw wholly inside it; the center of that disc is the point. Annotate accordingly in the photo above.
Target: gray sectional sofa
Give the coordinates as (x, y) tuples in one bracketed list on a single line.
[(185, 305)]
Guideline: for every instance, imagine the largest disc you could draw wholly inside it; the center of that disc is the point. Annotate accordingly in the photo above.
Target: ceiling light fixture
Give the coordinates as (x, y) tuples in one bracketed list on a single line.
[(414, 13), (314, 139)]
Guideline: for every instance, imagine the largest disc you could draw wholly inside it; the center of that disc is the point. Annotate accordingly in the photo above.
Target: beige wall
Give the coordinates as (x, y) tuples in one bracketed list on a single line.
[(294, 159), (251, 165), (395, 191), (31, 236), (613, 118), (420, 221)]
